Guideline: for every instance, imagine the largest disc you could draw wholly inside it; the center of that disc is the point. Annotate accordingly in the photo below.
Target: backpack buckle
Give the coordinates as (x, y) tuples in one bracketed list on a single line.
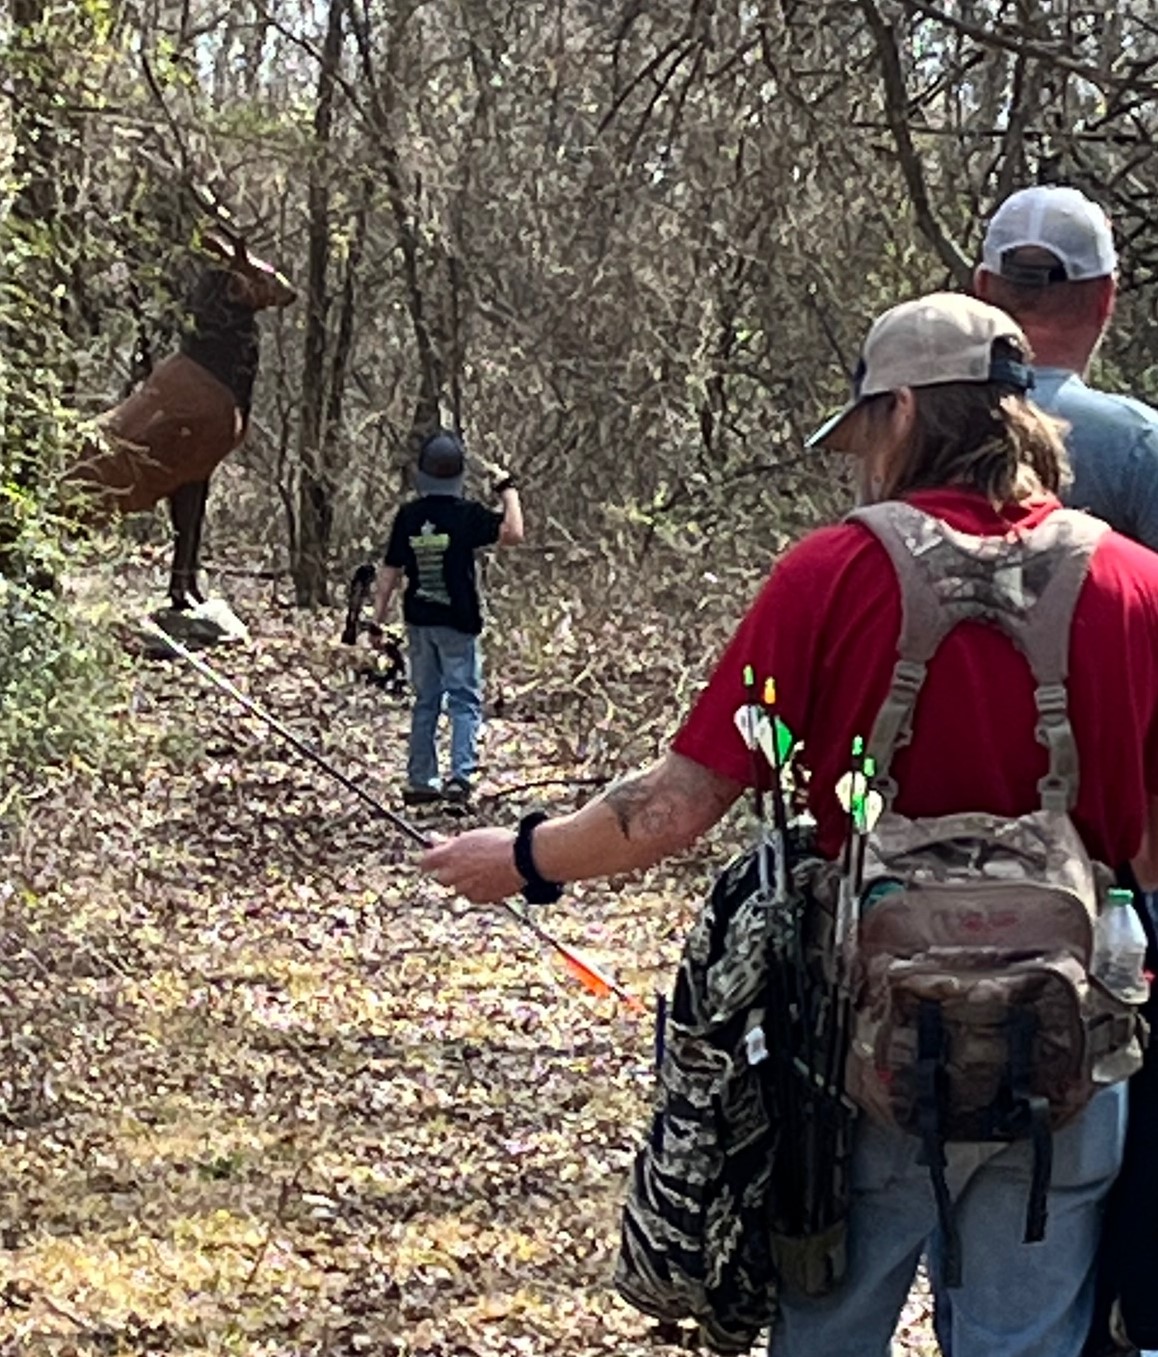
[(908, 675), (893, 728), (1058, 789), (1052, 702)]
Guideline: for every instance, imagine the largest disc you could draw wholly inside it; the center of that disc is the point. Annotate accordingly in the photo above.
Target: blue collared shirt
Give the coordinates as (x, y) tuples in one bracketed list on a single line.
[(1113, 447)]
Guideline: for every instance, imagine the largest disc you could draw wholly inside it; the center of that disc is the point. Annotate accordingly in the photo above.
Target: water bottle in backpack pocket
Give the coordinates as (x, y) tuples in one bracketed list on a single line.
[(1119, 962)]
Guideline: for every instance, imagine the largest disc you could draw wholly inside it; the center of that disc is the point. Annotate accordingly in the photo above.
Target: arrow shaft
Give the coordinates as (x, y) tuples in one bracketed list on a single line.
[(302, 746), (399, 822)]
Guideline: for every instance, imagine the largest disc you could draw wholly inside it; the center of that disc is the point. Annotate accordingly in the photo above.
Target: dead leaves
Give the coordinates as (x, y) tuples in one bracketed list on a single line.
[(267, 1092)]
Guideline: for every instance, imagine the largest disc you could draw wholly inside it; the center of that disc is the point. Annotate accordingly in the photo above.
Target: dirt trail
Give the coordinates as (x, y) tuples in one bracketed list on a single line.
[(266, 1091)]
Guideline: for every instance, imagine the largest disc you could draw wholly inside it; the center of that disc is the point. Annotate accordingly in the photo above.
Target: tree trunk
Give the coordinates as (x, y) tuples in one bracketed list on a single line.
[(315, 489), (428, 398), (344, 333)]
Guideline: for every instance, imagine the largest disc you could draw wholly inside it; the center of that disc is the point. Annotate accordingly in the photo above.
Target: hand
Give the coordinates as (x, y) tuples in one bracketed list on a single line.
[(479, 865)]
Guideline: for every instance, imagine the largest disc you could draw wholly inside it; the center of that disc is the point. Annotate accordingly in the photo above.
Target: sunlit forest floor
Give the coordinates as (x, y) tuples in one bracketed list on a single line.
[(264, 1090)]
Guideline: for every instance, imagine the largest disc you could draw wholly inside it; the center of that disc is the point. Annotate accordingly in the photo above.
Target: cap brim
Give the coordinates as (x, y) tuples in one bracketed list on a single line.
[(439, 485), (830, 426)]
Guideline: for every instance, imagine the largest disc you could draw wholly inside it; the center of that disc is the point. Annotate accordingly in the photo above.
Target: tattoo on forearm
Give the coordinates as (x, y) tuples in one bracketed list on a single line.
[(633, 802), (662, 802)]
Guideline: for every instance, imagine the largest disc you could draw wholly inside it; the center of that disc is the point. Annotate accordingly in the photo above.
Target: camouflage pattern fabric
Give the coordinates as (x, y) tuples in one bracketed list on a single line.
[(699, 1236), (976, 1014), (695, 1227)]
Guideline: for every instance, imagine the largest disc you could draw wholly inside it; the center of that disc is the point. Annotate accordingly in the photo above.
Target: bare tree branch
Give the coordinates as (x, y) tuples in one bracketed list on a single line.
[(1016, 43), (896, 102)]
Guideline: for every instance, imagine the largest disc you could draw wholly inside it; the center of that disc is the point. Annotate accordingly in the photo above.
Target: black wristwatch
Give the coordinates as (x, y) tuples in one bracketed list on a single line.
[(538, 890), (507, 483)]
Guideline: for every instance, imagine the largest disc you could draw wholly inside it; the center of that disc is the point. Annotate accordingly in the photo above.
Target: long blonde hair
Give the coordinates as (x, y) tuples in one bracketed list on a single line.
[(984, 435)]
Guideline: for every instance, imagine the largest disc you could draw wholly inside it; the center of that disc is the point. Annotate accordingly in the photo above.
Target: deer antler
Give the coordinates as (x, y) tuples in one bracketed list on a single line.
[(226, 245), (205, 198), (222, 239)]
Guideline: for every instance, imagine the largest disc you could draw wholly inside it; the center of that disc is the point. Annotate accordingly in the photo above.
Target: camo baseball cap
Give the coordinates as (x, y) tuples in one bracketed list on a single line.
[(940, 338)]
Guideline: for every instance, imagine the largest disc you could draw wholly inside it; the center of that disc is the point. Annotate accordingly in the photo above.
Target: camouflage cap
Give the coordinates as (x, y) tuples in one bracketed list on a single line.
[(943, 337)]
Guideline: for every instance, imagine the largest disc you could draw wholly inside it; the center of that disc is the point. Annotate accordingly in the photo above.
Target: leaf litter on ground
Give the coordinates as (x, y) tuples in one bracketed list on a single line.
[(265, 1090)]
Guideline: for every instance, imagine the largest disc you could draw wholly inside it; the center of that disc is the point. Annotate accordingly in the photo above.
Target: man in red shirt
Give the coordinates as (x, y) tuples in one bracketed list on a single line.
[(939, 419)]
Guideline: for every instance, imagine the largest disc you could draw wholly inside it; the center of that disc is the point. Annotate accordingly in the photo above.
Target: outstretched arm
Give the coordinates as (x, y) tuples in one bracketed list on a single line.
[(642, 819)]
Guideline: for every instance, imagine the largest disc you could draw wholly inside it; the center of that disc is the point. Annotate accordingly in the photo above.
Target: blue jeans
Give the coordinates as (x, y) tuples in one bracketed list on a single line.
[(942, 1296), (444, 663), (1152, 907), (1016, 1300)]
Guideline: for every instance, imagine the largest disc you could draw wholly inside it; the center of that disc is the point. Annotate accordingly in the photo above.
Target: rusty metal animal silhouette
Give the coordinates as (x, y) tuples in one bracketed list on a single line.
[(164, 441)]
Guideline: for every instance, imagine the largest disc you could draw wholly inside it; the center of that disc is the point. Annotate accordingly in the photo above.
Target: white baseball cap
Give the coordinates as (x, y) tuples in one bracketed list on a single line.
[(944, 337), (1048, 217)]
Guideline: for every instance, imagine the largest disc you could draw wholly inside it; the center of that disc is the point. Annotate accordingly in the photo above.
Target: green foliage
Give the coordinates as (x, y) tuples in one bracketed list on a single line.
[(60, 683), (62, 691), (60, 664)]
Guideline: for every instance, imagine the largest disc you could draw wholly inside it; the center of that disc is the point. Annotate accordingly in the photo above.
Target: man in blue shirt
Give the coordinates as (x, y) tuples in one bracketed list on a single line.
[(1049, 261)]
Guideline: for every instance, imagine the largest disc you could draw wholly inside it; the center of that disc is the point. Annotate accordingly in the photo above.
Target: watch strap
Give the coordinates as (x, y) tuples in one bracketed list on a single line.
[(537, 890)]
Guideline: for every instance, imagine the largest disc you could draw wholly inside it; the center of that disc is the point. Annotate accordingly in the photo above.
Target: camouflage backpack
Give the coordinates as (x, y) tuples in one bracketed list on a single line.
[(976, 1017), (709, 1230), (695, 1238)]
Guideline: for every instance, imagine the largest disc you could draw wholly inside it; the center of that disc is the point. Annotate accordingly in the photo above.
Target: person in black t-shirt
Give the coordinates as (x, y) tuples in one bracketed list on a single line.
[(432, 546)]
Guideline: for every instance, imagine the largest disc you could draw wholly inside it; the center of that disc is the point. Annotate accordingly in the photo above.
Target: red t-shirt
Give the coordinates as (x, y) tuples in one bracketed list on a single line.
[(825, 627)]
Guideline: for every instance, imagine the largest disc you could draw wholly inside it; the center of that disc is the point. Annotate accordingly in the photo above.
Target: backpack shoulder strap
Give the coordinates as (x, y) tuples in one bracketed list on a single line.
[(1027, 584)]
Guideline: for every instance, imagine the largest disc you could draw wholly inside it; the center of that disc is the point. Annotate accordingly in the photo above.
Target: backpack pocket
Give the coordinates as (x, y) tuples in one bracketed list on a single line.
[(696, 1237), (975, 1033)]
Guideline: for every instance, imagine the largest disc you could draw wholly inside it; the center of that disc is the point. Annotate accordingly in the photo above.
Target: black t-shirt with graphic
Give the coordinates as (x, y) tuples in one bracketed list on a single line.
[(433, 540)]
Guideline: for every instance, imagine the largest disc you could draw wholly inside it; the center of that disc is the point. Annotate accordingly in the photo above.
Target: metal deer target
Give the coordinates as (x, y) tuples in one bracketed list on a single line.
[(165, 440)]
